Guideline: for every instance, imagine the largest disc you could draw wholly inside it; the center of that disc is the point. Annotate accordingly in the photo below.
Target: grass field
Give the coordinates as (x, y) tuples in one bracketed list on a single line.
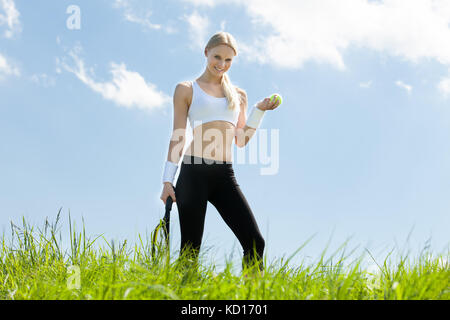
[(33, 265)]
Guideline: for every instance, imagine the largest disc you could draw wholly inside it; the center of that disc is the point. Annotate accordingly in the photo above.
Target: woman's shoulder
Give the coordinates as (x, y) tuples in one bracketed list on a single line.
[(183, 85), (184, 88), (184, 91)]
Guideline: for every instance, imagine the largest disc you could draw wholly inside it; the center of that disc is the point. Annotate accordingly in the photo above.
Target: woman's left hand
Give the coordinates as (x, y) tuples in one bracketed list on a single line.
[(265, 104)]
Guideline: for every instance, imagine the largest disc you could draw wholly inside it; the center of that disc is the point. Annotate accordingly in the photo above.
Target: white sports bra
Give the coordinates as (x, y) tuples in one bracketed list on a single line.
[(205, 108)]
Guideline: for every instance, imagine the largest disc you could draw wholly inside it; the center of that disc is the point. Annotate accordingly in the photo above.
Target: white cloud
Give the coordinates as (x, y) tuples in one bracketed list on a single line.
[(43, 80), (367, 84), (127, 88), (207, 3), (320, 29), (121, 3), (222, 25), (444, 86), (9, 16), (140, 16), (145, 22), (7, 68), (295, 32), (198, 29), (58, 66), (401, 84)]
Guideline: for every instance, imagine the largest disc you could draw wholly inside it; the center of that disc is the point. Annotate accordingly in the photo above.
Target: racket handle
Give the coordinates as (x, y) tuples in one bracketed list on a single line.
[(169, 203)]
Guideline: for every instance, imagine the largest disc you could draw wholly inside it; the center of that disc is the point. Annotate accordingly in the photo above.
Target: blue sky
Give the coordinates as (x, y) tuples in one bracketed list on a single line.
[(86, 115)]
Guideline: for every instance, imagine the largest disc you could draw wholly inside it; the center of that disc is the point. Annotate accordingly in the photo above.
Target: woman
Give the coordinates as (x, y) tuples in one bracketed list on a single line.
[(217, 112)]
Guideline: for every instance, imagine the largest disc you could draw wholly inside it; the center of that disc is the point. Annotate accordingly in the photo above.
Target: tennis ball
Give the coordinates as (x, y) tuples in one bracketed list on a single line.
[(278, 98)]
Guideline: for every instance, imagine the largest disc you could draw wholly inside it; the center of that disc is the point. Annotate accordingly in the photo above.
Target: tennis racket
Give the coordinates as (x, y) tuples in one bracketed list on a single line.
[(163, 228)]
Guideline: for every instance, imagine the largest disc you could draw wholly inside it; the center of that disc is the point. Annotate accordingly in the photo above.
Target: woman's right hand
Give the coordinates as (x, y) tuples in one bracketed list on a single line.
[(266, 104), (167, 192)]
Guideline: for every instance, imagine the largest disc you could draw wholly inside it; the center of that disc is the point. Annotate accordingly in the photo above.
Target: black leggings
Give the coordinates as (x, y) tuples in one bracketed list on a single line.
[(201, 180)]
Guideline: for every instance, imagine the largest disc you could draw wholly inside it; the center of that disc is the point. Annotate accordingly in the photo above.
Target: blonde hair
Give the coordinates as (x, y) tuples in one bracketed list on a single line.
[(229, 89)]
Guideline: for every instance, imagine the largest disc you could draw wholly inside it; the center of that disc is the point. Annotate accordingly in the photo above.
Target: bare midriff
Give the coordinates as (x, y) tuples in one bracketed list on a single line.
[(212, 140)]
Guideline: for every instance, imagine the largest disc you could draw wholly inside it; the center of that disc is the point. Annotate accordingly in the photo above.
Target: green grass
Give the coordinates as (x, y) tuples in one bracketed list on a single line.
[(33, 265)]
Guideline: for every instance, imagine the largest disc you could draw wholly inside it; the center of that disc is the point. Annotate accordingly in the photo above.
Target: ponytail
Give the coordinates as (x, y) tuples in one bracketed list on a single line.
[(230, 93)]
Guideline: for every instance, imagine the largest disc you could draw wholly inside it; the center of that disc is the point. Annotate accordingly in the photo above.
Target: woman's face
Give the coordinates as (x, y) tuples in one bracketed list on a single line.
[(220, 59)]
